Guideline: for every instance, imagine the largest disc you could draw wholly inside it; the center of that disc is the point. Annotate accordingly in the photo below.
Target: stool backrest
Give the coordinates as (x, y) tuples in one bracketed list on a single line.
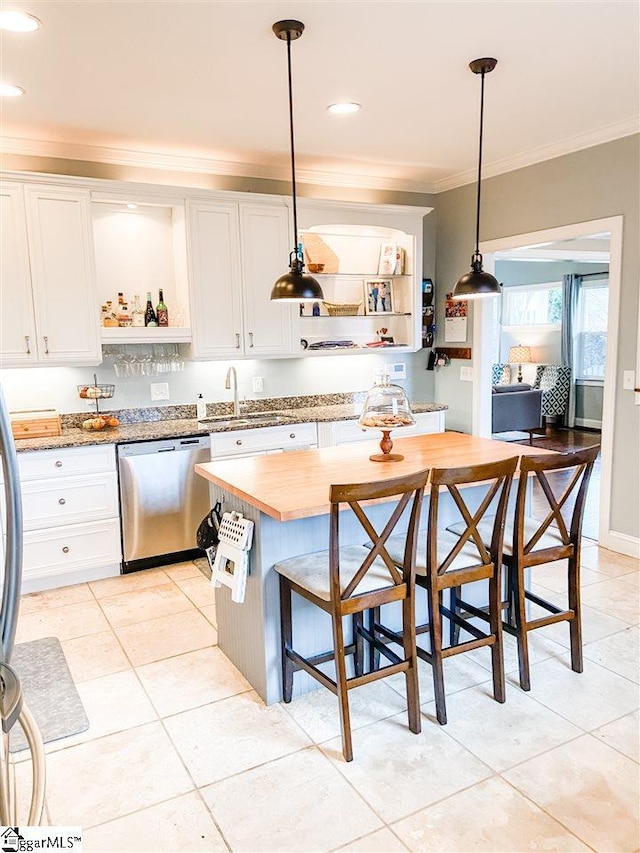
[(559, 492), (405, 488), (497, 477)]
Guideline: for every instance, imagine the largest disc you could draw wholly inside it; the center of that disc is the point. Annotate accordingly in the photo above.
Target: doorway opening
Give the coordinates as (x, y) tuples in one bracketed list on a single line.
[(530, 314)]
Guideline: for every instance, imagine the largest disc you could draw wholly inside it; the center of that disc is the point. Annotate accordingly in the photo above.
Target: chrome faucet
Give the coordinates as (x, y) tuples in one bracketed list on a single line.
[(231, 374)]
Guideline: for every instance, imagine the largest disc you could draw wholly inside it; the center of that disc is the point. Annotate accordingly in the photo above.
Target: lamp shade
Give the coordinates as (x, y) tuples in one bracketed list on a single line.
[(296, 285), (520, 355)]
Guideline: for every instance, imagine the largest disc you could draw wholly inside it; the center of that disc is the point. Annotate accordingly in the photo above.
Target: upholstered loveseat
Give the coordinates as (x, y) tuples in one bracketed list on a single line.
[(553, 380)]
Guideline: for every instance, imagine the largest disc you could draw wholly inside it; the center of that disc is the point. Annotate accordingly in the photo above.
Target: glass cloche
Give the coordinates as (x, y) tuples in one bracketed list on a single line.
[(386, 407)]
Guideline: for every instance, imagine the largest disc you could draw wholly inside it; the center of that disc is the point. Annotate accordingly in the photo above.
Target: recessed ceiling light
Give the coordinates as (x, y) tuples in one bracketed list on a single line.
[(19, 22), (344, 109), (8, 90), (132, 205)]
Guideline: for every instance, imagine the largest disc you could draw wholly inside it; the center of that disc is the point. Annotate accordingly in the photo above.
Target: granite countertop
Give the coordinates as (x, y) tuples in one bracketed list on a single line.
[(72, 436)]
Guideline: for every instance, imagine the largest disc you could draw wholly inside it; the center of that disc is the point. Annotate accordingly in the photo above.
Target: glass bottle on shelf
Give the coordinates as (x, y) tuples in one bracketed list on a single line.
[(137, 314), (150, 318), (162, 311), (124, 318)]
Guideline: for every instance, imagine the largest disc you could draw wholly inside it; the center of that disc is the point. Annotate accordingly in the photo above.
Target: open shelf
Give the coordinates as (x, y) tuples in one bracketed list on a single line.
[(378, 317), (145, 335)]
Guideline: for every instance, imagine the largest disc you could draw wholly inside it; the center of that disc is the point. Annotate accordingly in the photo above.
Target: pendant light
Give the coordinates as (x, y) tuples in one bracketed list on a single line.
[(295, 285), (478, 282)]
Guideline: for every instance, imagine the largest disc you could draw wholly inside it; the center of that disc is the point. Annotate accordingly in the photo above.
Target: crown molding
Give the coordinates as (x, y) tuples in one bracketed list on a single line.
[(607, 133), (205, 165)]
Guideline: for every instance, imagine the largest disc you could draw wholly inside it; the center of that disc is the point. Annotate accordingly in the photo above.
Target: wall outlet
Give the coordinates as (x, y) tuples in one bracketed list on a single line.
[(466, 374), (629, 380), (159, 391), (258, 385), (396, 371)]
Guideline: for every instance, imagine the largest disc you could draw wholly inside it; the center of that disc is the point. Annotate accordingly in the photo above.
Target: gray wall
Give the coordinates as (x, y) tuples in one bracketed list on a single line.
[(592, 184)]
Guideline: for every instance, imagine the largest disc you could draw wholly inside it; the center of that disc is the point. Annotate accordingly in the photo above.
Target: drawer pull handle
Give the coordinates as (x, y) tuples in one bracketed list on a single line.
[(62, 501), (58, 464), (237, 340), (250, 339), (65, 550), (238, 441), (292, 435), (46, 345), (26, 340)]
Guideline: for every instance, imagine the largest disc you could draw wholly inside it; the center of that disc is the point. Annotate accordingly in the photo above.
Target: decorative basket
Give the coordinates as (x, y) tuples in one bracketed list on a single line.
[(342, 309), (96, 392)]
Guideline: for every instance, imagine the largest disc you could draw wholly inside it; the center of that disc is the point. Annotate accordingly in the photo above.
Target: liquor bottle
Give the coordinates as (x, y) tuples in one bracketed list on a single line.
[(124, 318), (162, 312), (137, 314), (150, 318)]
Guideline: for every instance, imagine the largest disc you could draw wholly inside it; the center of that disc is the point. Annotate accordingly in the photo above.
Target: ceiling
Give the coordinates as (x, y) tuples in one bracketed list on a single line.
[(202, 85)]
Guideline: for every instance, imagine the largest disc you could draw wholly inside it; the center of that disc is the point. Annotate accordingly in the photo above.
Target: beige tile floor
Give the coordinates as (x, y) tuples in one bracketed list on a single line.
[(181, 755)]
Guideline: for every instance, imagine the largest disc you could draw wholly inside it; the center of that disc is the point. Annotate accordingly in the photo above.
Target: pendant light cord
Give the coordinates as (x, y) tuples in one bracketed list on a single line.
[(477, 253), (293, 153)]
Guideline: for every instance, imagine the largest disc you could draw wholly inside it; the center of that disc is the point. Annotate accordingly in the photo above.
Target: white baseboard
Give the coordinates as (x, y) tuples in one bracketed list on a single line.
[(588, 423), (622, 543)]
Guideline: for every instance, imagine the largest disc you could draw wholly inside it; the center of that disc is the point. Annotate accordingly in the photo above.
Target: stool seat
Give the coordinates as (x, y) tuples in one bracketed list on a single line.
[(550, 539), (311, 571), (468, 556)]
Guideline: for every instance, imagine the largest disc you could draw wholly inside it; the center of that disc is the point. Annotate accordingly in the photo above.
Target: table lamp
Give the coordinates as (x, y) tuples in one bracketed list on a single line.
[(520, 355)]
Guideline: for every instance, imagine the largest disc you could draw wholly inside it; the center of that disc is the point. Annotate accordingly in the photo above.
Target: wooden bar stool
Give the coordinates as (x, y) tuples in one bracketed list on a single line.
[(447, 561), (528, 542), (350, 580)]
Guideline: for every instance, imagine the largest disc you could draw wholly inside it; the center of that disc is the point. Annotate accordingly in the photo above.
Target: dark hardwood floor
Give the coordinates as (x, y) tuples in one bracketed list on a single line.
[(564, 441)]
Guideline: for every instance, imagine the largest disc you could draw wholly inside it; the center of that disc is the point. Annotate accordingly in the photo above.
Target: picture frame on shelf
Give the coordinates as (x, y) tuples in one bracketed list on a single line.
[(379, 296)]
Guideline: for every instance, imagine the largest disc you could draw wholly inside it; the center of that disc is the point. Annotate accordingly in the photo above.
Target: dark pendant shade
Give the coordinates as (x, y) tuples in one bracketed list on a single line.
[(296, 285), (478, 283)]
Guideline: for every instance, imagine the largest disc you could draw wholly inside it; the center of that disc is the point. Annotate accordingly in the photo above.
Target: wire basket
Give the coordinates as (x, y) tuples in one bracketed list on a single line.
[(96, 392), (342, 309)]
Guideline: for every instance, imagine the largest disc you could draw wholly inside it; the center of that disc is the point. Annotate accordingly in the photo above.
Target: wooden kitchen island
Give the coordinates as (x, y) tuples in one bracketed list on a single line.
[(287, 497)]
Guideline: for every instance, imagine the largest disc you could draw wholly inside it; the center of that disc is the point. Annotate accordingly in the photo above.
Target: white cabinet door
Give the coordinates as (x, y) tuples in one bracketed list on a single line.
[(17, 326), (214, 256), (265, 252), (63, 275)]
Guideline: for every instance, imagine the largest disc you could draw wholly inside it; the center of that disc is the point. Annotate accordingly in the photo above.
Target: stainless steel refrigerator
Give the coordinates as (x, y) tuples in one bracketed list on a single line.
[(13, 710)]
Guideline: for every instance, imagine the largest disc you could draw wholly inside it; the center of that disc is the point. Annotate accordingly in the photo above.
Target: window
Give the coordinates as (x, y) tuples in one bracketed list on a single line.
[(591, 329), (532, 305)]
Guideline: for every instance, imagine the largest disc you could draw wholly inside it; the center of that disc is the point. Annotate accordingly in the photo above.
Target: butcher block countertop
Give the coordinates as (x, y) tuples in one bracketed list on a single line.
[(296, 485)]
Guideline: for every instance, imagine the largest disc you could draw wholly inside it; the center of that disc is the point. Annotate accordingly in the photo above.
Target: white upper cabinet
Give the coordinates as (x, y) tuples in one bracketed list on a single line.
[(265, 251), (236, 252), (214, 257), (48, 298), (17, 324)]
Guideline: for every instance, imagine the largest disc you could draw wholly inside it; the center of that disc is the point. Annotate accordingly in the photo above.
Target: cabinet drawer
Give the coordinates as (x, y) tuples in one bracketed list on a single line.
[(76, 546), (69, 500), (267, 438), (38, 464)]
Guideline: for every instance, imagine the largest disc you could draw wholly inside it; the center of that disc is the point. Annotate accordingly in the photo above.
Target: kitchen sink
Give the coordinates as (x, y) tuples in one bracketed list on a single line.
[(248, 419)]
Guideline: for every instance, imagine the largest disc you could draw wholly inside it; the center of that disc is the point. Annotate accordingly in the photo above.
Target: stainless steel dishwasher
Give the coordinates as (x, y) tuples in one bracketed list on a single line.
[(162, 500)]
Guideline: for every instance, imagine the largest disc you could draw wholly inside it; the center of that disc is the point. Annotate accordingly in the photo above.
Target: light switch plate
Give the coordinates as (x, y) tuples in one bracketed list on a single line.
[(629, 380), (258, 385), (466, 374), (159, 391)]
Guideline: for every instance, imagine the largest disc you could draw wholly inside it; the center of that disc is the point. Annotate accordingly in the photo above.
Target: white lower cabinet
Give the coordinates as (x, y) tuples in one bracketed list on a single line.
[(70, 516), (56, 551), (345, 432)]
